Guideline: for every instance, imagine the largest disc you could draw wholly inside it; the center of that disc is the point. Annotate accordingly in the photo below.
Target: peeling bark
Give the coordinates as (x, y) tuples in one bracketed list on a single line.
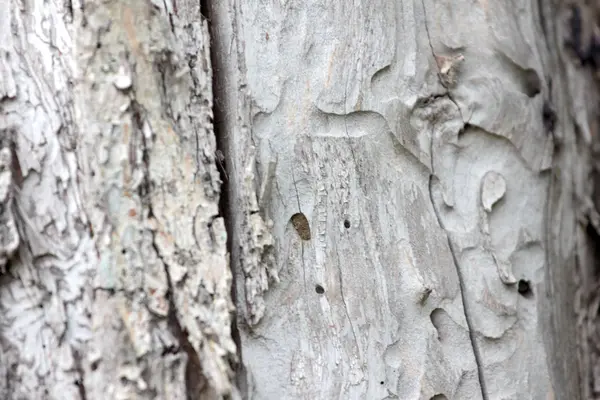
[(120, 287)]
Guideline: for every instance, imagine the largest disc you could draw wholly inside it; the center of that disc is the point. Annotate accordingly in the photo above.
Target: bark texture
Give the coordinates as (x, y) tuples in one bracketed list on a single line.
[(404, 184), (117, 283), (583, 49), (410, 201)]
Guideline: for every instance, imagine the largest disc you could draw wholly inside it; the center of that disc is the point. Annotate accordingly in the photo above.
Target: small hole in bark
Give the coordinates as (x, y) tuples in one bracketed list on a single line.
[(94, 366), (439, 319), (381, 383), (549, 117), (93, 173), (439, 397), (346, 224), (533, 84), (123, 251), (300, 223), (524, 288), (319, 289)]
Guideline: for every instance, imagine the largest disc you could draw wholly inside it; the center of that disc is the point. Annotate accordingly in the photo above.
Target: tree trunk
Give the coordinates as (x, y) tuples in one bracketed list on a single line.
[(408, 201), (120, 285), (401, 197)]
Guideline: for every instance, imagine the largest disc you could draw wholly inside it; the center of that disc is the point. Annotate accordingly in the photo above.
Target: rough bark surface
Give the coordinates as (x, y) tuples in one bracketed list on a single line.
[(117, 283), (583, 50), (407, 160), (410, 200)]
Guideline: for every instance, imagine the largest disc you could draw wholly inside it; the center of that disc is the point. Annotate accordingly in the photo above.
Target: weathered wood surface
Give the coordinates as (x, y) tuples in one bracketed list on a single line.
[(405, 183), (418, 140)]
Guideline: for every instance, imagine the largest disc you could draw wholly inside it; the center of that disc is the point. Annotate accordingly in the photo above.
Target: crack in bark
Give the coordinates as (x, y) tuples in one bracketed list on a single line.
[(447, 94), (80, 383), (221, 156), (169, 15), (341, 281), (463, 296), (194, 378), (461, 282), (68, 5)]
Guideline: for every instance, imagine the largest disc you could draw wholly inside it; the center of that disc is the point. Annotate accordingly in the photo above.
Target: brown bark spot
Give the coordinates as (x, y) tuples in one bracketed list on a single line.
[(301, 225)]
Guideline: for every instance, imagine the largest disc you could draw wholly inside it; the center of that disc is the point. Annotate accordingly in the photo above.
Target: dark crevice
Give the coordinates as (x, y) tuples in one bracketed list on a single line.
[(80, 382), (549, 117), (69, 9), (594, 237), (221, 157), (194, 381), (582, 39), (542, 20), (170, 16)]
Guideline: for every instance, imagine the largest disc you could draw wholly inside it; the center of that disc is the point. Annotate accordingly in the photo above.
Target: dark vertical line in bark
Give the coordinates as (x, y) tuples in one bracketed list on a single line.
[(222, 157), (461, 281), (463, 295)]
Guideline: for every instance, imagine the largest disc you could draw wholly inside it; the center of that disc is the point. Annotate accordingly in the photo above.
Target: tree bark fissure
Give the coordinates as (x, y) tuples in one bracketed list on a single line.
[(222, 135), (468, 318), (80, 383)]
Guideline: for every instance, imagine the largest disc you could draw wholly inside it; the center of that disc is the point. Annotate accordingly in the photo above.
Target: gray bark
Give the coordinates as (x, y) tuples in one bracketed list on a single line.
[(409, 202), (120, 284), (411, 230)]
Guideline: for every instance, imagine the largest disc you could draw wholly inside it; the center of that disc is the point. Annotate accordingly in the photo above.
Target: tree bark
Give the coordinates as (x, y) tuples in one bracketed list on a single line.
[(405, 181), (120, 285), (409, 201)]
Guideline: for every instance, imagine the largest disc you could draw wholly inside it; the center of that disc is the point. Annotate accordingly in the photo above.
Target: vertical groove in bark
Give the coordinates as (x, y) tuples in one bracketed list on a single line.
[(461, 280), (580, 54), (469, 322), (252, 242), (222, 135)]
